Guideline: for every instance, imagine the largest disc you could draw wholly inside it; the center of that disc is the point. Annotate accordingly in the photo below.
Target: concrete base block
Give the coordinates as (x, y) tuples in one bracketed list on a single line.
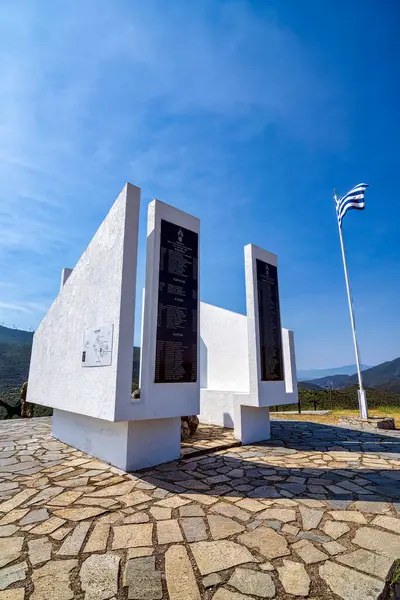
[(128, 445), (252, 424), (369, 424)]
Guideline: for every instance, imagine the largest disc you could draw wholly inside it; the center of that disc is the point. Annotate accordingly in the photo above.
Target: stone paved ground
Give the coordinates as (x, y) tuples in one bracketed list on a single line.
[(207, 439), (313, 513)]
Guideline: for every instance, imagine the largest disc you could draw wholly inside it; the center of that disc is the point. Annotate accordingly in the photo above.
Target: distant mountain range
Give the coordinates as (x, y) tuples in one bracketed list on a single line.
[(385, 376), (311, 374)]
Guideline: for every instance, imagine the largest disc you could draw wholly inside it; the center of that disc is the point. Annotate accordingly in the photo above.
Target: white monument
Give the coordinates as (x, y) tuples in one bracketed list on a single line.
[(82, 352), (247, 361)]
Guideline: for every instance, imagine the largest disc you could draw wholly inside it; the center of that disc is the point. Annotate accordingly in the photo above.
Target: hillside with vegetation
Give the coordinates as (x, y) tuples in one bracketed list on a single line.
[(385, 377)]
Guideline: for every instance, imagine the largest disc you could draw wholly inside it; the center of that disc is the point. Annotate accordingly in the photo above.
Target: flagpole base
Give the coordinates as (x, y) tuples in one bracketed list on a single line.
[(362, 403)]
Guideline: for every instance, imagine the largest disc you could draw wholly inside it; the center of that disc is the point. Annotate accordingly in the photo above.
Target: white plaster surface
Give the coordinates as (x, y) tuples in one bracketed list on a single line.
[(216, 407), (251, 424), (126, 445), (224, 354), (100, 289), (161, 400)]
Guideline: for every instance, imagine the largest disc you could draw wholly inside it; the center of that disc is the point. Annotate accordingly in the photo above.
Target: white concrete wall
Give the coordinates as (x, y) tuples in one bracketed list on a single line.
[(224, 364), (161, 400), (101, 289), (216, 407)]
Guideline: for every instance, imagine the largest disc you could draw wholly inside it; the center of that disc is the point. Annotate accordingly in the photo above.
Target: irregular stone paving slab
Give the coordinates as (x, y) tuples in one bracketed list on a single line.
[(168, 532), (294, 578), (264, 539), (202, 498), (35, 516), (191, 510), (45, 495), (389, 523), (73, 543), (251, 505), (143, 580), (79, 514), (160, 513), (119, 489), (99, 576), (349, 584), (65, 498), (11, 574), (139, 517), (253, 582), (103, 502), (181, 581), (10, 549), (378, 541), (350, 516), (59, 534), (334, 548), (97, 541), (369, 562), (335, 530), (310, 518), (133, 499), (231, 511), (14, 594), (308, 552), (372, 507), (290, 529), (172, 502), (8, 530), (281, 514), (54, 575), (194, 529), (132, 536), (17, 500), (224, 594), (13, 516), (212, 557), (139, 552), (210, 580), (223, 527), (39, 551), (48, 526)]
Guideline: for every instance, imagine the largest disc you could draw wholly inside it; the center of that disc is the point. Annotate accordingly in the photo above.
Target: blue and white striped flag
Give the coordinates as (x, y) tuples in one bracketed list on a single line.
[(353, 199)]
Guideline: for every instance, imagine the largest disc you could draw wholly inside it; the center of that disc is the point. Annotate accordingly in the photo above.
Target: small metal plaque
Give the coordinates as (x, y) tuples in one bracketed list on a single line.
[(97, 346)]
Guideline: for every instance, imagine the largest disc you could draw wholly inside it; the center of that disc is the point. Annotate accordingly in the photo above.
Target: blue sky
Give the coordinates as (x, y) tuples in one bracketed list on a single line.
[(246, 114)]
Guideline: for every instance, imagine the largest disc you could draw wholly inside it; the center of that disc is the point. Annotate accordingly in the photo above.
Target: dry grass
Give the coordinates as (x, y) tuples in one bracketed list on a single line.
[(333, 417)]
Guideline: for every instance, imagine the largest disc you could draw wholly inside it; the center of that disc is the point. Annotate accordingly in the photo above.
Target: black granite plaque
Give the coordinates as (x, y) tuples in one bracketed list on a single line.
[(269, 319), (176, 346)]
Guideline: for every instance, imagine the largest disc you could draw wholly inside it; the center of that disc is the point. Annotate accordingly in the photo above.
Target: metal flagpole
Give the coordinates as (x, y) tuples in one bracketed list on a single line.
[(362, 397)]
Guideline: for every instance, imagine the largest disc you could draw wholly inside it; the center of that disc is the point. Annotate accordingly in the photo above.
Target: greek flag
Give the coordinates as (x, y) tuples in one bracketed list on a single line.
[(353, 199)]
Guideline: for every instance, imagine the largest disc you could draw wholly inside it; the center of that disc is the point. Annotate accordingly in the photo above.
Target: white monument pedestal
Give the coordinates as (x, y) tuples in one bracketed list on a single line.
[(128, 445), (251, 423)]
